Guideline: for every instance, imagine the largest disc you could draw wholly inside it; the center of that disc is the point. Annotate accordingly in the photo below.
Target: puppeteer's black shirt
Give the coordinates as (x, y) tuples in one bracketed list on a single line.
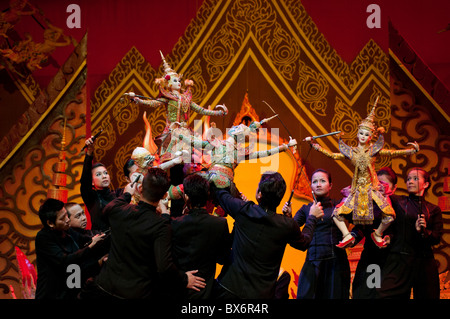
[(259, 241), (95, 200), (55, 251), (140, 263)]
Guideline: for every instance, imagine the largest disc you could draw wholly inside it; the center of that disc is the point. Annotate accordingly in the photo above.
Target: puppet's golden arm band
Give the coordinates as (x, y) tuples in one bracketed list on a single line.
[(394, 153), (335, 156)]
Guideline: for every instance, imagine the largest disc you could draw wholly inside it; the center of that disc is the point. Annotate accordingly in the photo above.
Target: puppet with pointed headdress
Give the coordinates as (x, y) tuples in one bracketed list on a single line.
[(365, 187), (178, 104)]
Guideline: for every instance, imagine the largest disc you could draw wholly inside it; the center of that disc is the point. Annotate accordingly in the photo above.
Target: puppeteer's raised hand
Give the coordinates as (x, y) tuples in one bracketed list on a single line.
[(163, 205), (316, 210), (421, 223), (89, 144), (130, 188), (287, 209), (96, 239)]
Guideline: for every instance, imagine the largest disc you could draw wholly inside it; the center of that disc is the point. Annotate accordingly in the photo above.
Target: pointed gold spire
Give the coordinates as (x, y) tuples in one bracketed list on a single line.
[(168, 71), (368, 122)]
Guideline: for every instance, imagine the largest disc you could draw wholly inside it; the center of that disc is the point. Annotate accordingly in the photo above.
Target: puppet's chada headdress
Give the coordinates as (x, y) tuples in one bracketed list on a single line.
[(168, 71), (368, 123)]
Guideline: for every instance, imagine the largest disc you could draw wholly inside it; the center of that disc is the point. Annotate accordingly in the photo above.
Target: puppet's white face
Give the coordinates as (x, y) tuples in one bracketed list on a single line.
[(174, 83), (364, 136)]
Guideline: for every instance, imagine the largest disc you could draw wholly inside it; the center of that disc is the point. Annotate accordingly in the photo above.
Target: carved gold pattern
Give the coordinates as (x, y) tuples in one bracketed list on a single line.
[(120, 119), (25, 186), (260, 19), (106, 140), (196, 74), (124, 153), (132, 61), (302, 70), (41, 101), (312, 88), (125, 114), (345, 119)]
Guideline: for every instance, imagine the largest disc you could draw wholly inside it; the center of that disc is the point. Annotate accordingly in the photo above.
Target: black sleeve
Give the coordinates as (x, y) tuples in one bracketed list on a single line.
[(433, 232), (117, 204), (47, 245), (302, 239), (163, 255), (302, 214), (87, 193), (224, 249)]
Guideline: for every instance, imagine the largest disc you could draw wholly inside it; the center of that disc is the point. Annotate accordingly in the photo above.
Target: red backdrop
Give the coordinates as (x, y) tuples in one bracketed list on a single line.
[(115, 26)]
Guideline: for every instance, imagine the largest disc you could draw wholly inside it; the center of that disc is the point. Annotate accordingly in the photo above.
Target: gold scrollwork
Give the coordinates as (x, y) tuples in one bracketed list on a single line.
[(195, 73), (259, 18), (218, 52), (383, 110), (345, 119), (312, 88), (133, 60), (106, 140), (124, 153), (283, 51), (371, 56), (157, 118), (125, 113)]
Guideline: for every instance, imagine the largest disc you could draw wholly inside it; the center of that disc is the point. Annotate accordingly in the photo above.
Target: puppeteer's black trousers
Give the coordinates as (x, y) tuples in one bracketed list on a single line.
[(403, 272)]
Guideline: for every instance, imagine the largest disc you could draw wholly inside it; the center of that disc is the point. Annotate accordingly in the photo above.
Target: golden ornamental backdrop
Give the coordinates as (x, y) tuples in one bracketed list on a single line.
[(238, 53)]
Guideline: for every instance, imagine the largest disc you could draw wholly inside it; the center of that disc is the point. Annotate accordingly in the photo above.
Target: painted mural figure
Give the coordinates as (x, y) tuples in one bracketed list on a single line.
[(364, 190), (178, 104)]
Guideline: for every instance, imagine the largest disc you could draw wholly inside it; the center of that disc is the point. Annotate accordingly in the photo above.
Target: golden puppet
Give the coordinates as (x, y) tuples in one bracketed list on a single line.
[(365, 187), (177, 102)]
